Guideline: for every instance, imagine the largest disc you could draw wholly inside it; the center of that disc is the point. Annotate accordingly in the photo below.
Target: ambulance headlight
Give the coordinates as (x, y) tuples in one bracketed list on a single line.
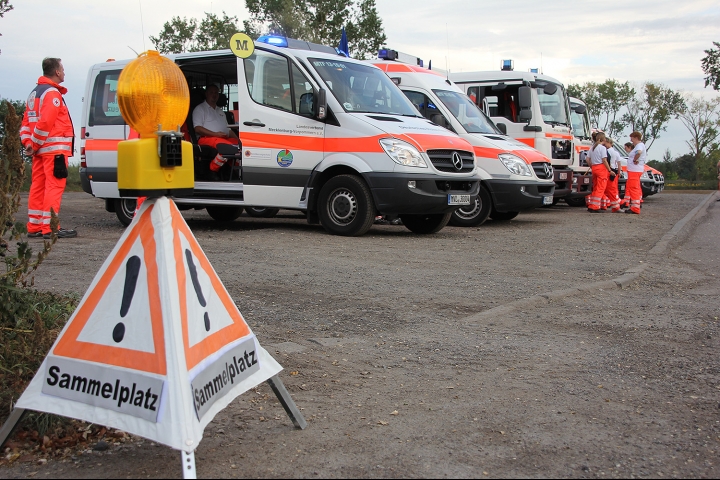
[(402, 153), (515, 164)]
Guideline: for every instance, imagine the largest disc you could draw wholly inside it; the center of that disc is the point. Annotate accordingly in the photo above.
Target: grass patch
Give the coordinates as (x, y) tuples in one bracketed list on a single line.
[(25, 340), (691, 185)]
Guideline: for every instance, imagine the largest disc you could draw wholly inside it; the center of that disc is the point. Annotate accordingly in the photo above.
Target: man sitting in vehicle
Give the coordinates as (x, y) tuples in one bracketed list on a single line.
[(212, 128)]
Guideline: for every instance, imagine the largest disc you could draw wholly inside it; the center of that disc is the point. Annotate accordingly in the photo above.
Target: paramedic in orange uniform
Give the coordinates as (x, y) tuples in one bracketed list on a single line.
[(212, 128), (635, 169), (611, 191), (600, 173), (48, 136)]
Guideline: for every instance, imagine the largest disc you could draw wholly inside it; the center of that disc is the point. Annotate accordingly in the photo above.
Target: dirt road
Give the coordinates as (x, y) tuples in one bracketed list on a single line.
[(400, 373)]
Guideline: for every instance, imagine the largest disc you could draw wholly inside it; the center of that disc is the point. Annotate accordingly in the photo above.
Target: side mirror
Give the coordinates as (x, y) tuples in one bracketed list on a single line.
[(502, 127), (525, 115), (580, 109), (525, 97), (321, 112), (550, 89)]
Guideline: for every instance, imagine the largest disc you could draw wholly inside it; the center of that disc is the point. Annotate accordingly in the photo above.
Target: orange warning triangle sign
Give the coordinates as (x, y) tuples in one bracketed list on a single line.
[(208, 316), (119, 321)]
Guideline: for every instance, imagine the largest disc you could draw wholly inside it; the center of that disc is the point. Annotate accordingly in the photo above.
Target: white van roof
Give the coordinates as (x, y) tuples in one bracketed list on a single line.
[(495, 76)]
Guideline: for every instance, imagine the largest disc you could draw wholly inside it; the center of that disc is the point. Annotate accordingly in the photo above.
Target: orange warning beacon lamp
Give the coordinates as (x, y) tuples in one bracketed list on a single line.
[(154, 99)]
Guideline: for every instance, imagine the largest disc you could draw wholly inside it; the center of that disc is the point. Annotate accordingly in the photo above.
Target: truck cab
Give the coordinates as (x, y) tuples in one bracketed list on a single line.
[(531, 108), (515, 177), (580, 120), (327, 135)]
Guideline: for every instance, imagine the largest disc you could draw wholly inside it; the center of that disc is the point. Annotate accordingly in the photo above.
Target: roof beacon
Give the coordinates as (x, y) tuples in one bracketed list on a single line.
[(507, 66), (280, 41), (387, 54), (534, 70)]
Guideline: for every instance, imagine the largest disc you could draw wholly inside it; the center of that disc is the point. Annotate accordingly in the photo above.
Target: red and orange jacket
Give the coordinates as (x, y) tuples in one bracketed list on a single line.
[(46, 124)]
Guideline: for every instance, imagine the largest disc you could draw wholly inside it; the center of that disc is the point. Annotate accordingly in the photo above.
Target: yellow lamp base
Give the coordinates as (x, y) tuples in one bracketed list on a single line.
[(140, 173)]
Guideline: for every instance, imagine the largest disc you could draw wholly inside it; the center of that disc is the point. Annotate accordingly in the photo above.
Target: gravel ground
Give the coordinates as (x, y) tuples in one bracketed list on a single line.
[(399, 373)]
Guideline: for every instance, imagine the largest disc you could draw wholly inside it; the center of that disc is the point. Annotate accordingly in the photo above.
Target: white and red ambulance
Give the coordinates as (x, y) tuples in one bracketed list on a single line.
[(328, 135), (515, 177)]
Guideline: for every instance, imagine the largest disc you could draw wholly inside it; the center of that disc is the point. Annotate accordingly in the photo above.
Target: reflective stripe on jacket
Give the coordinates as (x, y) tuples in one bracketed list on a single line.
[(46, 124)]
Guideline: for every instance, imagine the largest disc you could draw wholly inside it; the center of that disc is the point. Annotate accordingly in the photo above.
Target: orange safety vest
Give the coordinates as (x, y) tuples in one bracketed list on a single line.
[(46, 124)]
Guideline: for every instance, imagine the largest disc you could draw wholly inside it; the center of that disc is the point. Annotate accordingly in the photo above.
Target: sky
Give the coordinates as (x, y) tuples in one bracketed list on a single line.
[(573, 41)]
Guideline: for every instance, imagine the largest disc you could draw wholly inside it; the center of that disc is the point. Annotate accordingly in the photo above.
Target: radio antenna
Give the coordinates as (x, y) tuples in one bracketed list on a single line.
[(142, 25), (447, 52), (136, 53)]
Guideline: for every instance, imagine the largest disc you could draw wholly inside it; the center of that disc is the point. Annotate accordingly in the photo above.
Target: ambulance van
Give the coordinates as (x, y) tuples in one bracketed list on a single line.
[(320, 133), (533, 109), (580, 120), (515, 177)]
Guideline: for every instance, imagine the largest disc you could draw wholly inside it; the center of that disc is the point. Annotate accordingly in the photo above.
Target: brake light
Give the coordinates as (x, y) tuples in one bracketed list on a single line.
[(83, 159)]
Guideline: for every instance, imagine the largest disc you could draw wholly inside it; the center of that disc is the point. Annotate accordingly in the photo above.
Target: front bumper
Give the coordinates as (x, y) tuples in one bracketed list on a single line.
[(582, 186), (563, 178), (516, 196), (393, 195)]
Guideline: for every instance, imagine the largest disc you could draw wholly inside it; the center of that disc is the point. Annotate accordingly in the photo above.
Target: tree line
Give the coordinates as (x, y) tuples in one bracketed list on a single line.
[(616, 108)]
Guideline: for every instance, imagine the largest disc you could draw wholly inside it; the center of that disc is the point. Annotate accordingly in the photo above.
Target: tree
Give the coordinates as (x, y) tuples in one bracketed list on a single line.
[(19, 108), (605, 101), (649, 111), (188, 35), (320, 21), (4, 8), (711, 66), (702, 119)]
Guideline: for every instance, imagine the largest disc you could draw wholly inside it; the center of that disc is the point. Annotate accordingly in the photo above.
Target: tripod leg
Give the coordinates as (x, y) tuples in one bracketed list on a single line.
[(10, 424), (287, 402)]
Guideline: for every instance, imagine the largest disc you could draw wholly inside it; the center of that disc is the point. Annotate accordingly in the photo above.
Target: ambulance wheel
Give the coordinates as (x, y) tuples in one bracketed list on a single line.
[(576, 202), (261, 212), (125, 210), (224, 214), (474, 214), (345, 206), (503, 216), (426, 223)]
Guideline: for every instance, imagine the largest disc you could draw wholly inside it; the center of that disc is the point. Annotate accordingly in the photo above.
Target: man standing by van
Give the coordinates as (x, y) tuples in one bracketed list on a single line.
[(48, 136), (212, 128), (635, 169)]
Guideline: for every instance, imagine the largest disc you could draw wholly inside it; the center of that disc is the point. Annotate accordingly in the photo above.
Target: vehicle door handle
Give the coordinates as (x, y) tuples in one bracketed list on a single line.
[(254, 124)]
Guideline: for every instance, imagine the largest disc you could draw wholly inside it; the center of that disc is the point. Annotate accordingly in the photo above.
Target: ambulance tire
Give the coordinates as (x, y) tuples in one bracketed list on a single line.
[(224, 214), (345, 206), (261, 212), (576, 202), (473, 215), (125, 210), (426, 223), (503, 216)]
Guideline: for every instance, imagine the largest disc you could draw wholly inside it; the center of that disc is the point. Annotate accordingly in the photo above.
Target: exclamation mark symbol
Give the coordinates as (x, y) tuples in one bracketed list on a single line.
[(196, 284), (132, 271)]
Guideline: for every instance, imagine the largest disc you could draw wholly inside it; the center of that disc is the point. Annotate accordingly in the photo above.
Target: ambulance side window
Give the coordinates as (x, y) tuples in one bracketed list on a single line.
[(304, 93), (104, 108), (427, 108), (269, 82)]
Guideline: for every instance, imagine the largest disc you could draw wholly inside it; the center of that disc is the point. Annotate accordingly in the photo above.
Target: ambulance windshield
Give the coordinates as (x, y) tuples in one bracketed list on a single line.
[(362, 88), (553, 106), (581, 128), (466, 112)]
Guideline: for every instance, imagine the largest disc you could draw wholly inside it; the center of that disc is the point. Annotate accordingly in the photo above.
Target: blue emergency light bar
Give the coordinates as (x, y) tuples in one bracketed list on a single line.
[(534, 70), (285, 42), (394, 55), (507, 66)]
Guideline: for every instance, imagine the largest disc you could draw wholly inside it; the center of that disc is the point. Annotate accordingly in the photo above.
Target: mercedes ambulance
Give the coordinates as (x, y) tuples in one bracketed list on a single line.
[(515, 177), (320, 133), (531, 108)]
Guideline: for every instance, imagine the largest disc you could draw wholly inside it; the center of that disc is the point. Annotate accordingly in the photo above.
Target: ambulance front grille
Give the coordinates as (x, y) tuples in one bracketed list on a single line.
[(443, 161)]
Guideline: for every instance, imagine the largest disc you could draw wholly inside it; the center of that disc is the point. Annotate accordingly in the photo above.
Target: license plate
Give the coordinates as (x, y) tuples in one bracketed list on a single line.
[(458, 199), (548, 200), (563, 176)]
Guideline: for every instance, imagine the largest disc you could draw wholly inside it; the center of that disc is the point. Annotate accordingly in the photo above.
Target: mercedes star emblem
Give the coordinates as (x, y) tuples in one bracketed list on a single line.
[(457, 161)]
